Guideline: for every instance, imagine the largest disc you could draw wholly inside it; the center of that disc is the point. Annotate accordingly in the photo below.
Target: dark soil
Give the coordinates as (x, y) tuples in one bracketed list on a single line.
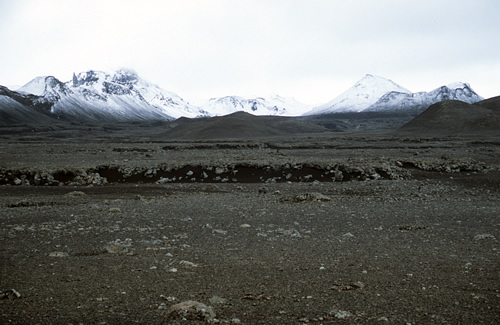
[(420, 249)]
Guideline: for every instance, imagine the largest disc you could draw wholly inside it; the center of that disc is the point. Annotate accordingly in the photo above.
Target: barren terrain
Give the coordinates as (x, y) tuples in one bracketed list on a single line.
[(99, 227)]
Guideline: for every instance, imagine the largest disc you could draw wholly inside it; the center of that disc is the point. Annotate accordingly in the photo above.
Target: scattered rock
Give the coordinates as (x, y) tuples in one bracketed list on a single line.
[(168, 298), (10, 294), (340, 314), (188, 264), (219, 231), (119, 247), (58, 254), (216, 300), (311, 197), (76, 193), (349, 286), (484, 236), (191, 310)]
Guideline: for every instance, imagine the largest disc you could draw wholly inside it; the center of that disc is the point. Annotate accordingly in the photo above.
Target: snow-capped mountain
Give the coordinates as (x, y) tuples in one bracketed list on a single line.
[(22, 108), (395, 101), (272, 105), (360, 96), (120, 96), (96, 96), (377, 94)]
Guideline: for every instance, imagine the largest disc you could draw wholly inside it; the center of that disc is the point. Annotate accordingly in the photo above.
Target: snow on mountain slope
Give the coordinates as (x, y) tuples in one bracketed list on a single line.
[(123, 90), (291, 106), (96, 96), (396, 101), (36, 86), (48, 87), (272, 105), (360, 96), (19, 108), (120, 95)]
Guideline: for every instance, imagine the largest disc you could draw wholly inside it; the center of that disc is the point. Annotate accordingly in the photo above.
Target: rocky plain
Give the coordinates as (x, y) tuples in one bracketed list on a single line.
[(125, 225)]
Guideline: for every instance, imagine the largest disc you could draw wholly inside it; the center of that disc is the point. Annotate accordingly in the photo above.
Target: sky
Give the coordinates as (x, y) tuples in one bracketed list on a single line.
[(312, 50)]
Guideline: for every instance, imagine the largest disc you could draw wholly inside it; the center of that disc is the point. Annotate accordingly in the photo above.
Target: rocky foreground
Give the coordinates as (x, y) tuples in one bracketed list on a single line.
[(350, 229)]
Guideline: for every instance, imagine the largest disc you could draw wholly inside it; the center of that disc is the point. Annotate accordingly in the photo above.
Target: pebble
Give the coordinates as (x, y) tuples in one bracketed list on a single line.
[(58, 254), (191, 310), (484, 236)]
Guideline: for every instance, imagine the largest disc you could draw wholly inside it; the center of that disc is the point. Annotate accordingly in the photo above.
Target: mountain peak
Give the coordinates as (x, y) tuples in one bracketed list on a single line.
[(36, 86), (417, 102), (458, 85), (125, 76), (87, 78), (41, 86), (360, 96), (370, 80)]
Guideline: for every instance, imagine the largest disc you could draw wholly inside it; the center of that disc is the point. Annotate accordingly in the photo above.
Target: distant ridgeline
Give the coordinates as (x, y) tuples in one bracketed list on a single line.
[(95, 97)]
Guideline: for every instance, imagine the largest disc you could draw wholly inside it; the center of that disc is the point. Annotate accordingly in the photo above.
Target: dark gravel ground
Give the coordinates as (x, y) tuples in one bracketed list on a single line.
[(415, 251)]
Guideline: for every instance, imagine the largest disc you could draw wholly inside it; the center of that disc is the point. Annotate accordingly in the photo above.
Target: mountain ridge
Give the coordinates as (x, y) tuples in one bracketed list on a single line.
[(119, 96), (386, 95)]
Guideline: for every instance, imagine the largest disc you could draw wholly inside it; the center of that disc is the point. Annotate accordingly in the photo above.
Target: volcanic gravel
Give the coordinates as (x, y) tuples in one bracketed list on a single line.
[(418, 248)]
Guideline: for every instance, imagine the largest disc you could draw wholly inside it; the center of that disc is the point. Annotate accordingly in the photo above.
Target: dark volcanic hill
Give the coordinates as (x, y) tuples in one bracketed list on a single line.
[(454, 117), (240, 125)]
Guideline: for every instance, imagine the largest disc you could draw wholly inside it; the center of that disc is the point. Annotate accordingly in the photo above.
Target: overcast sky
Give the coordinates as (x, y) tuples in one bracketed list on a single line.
[(312, 50)]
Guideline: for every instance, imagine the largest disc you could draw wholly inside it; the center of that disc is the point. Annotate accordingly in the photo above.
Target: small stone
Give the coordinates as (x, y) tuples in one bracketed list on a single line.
[(341, 314), (12, 293), (484, 236), (358, 285), (76, 193), (216, 300), (168, 298), (219, 231), (348, 235), (115, 210), (58, 254), (191, 310), (188, 264), (245, 225)]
